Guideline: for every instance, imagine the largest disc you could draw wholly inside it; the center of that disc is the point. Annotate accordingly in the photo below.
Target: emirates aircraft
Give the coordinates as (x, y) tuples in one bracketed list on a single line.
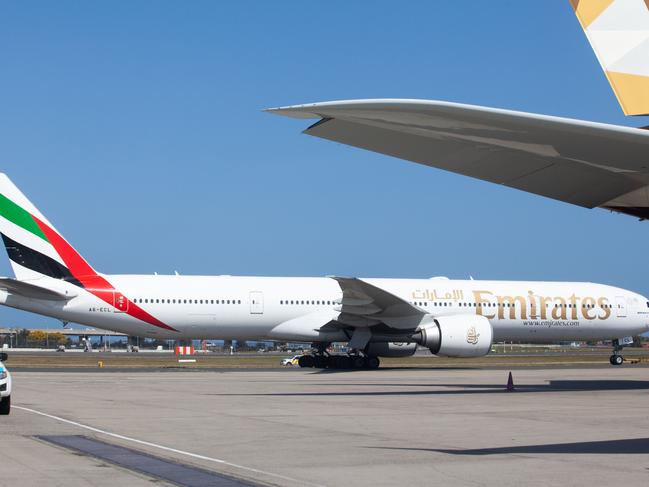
[(377, 317)]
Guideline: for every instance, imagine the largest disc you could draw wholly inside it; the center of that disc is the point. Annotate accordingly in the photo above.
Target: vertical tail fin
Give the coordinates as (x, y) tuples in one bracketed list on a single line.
[(37, 250), (618, 32), (34, 247)]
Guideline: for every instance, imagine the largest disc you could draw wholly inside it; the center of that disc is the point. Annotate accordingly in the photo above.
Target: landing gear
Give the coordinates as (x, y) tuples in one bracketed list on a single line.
[(339, 362), (616, 358)]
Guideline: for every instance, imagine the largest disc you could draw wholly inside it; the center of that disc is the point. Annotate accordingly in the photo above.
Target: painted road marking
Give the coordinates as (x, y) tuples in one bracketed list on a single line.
[(145, 463), (165, 448)]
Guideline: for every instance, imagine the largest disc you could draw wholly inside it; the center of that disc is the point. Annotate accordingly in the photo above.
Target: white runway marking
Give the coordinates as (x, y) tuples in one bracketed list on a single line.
[(165, 448)]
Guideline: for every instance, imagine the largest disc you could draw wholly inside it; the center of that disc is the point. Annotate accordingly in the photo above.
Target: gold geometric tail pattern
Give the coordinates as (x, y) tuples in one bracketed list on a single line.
[(618, 32)]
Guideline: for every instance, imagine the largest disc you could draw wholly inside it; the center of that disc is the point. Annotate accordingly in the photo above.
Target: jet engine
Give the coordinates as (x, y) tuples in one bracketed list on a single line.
[(457, 336), (391, 349)]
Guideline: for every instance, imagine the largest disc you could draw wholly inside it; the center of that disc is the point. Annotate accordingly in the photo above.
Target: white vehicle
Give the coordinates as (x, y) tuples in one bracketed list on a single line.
[(375, 317), (580, 162), (291, 360), (5, 386)]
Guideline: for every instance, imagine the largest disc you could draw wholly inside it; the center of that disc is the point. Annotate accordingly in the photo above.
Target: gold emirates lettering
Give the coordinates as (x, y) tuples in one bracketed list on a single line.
[(561, 308)]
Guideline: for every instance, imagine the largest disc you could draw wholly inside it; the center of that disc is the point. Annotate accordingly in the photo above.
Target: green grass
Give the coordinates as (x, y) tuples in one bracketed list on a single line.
[(214, 361)]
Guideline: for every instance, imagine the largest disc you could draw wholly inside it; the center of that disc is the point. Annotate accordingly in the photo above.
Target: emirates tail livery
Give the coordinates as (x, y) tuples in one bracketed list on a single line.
[(377, 317)]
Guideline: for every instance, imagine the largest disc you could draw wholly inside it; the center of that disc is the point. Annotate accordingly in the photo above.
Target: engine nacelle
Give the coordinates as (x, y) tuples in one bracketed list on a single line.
[(457, 336), (391, 349)]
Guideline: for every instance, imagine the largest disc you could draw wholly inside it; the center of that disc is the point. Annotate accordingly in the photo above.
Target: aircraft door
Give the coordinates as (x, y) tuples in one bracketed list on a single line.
[(256, 303), (620, 306)]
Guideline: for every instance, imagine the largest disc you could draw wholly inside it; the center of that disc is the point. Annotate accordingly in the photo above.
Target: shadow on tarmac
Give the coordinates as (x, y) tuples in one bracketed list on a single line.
[(634, 446), (459, 389)]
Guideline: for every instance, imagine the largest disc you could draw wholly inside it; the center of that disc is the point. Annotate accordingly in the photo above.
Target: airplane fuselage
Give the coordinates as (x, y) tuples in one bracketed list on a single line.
[(228, 307)]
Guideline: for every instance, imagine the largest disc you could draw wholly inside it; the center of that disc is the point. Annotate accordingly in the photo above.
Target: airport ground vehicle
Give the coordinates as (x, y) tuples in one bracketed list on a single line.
[(291, 360), (5, 386)]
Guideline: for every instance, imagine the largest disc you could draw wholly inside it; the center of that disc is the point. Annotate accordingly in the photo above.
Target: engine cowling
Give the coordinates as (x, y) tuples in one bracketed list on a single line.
[(457, 336), (391, 349)]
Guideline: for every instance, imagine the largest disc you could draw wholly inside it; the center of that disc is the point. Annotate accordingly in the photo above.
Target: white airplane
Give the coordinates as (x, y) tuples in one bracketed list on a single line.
[(377, 317), (584, 163)]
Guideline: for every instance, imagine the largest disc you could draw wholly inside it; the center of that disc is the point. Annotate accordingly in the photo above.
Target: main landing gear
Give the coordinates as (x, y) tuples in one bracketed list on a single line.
[(323, 361), (616, 358)]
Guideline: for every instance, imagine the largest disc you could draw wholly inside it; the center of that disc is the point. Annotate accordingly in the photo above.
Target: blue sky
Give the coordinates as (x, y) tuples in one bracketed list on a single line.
[(136, 128)]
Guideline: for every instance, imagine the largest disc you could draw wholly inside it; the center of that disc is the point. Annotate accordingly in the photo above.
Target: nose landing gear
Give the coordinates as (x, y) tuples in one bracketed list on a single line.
[(618, 345)]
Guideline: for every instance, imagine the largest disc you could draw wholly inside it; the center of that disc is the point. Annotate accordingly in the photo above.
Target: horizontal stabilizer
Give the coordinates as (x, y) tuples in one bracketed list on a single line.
[(26, 290)]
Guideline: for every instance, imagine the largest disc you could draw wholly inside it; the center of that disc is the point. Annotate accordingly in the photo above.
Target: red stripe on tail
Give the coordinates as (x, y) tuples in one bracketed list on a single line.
[(91, 281)]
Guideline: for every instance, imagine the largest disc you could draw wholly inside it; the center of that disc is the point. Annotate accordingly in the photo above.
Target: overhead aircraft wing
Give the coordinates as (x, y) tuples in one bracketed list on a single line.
[(585, 163), (27, 290), (363, 305)]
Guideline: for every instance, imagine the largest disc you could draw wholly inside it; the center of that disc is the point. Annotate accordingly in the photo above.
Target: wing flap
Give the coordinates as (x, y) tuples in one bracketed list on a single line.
[(385, 307)]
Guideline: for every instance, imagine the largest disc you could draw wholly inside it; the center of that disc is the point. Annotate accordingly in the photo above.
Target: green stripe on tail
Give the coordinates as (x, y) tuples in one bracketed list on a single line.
[(15, 214)]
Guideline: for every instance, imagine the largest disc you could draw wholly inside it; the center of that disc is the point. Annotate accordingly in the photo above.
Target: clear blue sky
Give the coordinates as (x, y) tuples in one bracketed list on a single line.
[(136, 128)]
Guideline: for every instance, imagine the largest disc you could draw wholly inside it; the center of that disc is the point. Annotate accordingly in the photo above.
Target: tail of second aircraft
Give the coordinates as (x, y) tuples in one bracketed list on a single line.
[(34, 247), (618, 32)]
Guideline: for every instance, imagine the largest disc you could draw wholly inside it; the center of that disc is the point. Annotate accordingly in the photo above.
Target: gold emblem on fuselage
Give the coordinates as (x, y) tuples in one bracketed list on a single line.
[(472, 336)]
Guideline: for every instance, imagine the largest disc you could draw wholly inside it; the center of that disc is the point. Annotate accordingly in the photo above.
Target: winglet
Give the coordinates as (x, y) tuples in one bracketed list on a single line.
[(618, 32)]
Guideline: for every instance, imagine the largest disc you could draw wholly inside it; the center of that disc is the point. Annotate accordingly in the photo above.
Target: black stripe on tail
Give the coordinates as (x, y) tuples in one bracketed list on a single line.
[(31, 259)]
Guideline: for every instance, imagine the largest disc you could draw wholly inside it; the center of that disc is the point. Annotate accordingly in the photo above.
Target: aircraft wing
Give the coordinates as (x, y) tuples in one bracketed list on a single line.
[(584, 163), (27, 290), (363, 304)]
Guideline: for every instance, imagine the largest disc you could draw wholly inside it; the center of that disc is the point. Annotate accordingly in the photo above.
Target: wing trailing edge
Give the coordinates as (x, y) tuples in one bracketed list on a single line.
[(588, 164)]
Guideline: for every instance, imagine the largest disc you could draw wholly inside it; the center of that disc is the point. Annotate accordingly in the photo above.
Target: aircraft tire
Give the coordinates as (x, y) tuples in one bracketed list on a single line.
[(306, 361), (372, 363), (320, 362), (358, 362), (336, 362), (616, 360)]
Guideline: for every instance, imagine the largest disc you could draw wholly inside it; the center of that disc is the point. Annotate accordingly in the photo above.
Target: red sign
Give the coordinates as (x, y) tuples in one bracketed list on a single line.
[(120, 302)]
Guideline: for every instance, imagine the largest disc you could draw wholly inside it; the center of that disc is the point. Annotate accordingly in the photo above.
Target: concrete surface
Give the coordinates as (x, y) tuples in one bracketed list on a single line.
[(456, 426)]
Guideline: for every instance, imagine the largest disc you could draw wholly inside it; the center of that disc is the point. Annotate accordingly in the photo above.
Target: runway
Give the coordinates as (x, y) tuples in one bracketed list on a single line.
[(562, 426)]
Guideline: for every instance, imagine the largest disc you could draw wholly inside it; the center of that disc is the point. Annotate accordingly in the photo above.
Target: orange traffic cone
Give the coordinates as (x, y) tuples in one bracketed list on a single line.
[(510, 383)]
